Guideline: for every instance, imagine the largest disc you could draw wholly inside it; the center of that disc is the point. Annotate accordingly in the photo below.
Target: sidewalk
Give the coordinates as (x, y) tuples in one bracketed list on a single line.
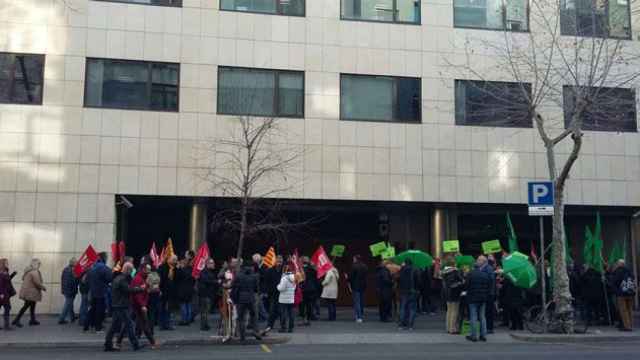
[(428, 330)]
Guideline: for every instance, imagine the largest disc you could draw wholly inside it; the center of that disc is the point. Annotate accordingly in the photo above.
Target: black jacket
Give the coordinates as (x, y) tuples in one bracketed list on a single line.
[(68, 282), (358, 277), (245, 287), (186, 284), (168, 287), (478, 287), (310, 286), (384, 283), (425, 281), (452, 284), (513, 295), (120, 291), (99, 278), (271, 279), (592, 287), (208, 284), (408, 284), (619, 275)]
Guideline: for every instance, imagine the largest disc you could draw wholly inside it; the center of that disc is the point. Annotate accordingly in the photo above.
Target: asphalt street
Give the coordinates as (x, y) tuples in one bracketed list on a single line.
[(519, 351)]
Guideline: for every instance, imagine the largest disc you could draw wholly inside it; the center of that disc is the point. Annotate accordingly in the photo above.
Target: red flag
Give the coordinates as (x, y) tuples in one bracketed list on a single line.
[(155, 258), (121, 251), (200, 260), (533, 254), (322, 262), (115, 252), (295, 263), (88, 258)]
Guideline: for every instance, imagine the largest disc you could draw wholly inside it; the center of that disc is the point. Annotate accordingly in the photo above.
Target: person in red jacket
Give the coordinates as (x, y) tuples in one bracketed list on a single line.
[(140, 303)]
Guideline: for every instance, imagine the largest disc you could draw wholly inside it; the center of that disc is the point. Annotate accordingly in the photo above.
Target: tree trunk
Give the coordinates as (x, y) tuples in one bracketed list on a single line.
[(243, 228)]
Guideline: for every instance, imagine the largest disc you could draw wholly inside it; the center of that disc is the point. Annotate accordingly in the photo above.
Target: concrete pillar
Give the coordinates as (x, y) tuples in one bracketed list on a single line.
[(635, 232), (444, 226), (198, 224)]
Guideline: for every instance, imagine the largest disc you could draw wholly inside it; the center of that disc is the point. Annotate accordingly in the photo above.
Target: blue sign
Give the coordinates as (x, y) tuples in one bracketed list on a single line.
[(541, 193)]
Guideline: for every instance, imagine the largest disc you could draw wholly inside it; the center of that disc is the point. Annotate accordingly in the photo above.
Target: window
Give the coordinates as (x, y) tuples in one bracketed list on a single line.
[(258, 92), (492, 103), (601, 18), (176, 3), (136, 85), (491, 14), (380, 98), (21, 78), (609, 109), (400, 11), (280, 7)]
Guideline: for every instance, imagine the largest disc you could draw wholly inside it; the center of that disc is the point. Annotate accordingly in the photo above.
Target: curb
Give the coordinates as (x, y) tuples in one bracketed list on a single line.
[(168, 343), (588, 338)]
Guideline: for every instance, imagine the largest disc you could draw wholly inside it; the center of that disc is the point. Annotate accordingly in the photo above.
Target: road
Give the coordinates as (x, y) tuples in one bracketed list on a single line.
[(519, 351)]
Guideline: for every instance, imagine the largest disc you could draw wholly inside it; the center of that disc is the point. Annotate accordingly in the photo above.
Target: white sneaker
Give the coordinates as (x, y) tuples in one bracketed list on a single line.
[(359, 321)]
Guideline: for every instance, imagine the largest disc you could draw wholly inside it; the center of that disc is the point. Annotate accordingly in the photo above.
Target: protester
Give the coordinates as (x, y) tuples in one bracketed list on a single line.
[(330, 292), (260, 296), (227, 309), (358, 282), (408, 285), (121, 290), (478, 292), (514, 298), (384, 288), (30, 292), (272, 278), (452, 288), (83, 286), (99, 278), (625, 285), (310, 288), (186, 290), (425, 303), (287, 289), (207, 290), (490, 308), (245, 288), (593, 295), (69, 289), (6, 292), (140, 303), (168, 292)]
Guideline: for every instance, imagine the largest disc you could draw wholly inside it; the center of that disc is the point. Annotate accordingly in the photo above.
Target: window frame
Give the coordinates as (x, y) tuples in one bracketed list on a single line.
[(394, 100), (504, 17), (515, 125), (276, 92), (143, 4), (608, 27), (149, 85), (277, 13), (44, 60), (567, 122), (395, 16)]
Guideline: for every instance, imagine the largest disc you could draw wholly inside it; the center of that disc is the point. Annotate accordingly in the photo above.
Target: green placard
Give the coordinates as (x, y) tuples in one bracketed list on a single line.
[(337, 250), (388, 253), (451, 246), (491, 247), (378, 248)]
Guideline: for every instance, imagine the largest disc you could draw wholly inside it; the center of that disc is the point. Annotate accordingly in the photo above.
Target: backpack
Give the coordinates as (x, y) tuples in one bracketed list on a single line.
[(628, 286)]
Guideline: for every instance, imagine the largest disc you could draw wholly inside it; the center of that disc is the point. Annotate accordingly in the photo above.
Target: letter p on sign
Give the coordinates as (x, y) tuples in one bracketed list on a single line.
[(541, 193)]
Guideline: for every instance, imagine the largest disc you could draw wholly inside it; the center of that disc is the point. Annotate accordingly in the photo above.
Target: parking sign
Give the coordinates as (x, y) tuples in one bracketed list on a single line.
[(540, 198)]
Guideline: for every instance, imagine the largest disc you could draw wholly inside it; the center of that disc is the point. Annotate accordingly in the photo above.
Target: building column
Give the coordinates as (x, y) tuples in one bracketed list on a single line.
[(444, 226), (635, 232), (198, 224)]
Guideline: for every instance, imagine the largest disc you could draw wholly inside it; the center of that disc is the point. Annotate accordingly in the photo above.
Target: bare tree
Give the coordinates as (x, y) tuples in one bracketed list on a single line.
[(576, 56)]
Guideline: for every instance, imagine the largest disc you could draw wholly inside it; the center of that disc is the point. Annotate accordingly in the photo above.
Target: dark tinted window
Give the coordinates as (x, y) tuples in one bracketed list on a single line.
[(608, 109), (260, 92), (124, 84), (403, 11), (280, 7), (380, 98), (21, 78), (603, 18), (492, 103), (150, 2), (491, 14)]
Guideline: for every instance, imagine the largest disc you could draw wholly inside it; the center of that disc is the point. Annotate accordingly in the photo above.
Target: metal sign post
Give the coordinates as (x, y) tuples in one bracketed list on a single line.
[(541, 205)]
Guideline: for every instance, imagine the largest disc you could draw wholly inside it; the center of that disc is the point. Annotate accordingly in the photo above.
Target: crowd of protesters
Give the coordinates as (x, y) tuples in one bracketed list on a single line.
[(143, 298)]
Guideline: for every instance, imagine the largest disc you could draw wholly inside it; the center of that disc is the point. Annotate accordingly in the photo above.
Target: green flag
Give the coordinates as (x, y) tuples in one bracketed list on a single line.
[(615, 254), (567, 247), (587, 250), (598, 263), (513, 240)]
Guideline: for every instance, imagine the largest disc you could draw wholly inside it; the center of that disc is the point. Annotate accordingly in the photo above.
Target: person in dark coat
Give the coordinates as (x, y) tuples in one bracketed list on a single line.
[(625, 285), (384, 288), (186, 290), (7, 291), (514, 298), (358, 282), (452, 286), (244, 289), (408, 286), (310, 290), (121, 292), (478, 292), (69, 289), (168, 292), (207, 290), (426, 279), (98, 278), (271, 280), (593, 295)]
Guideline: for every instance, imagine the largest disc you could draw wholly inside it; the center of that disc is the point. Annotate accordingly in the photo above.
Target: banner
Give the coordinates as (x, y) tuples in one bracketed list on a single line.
[(451, 246), (269, 259), (156, 260), (377, 248), (388, 253), (88, 258), (117, 251), (338, 250), (491, 247), (322, 262), (200, 261), (167, 251), (121, 252)]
